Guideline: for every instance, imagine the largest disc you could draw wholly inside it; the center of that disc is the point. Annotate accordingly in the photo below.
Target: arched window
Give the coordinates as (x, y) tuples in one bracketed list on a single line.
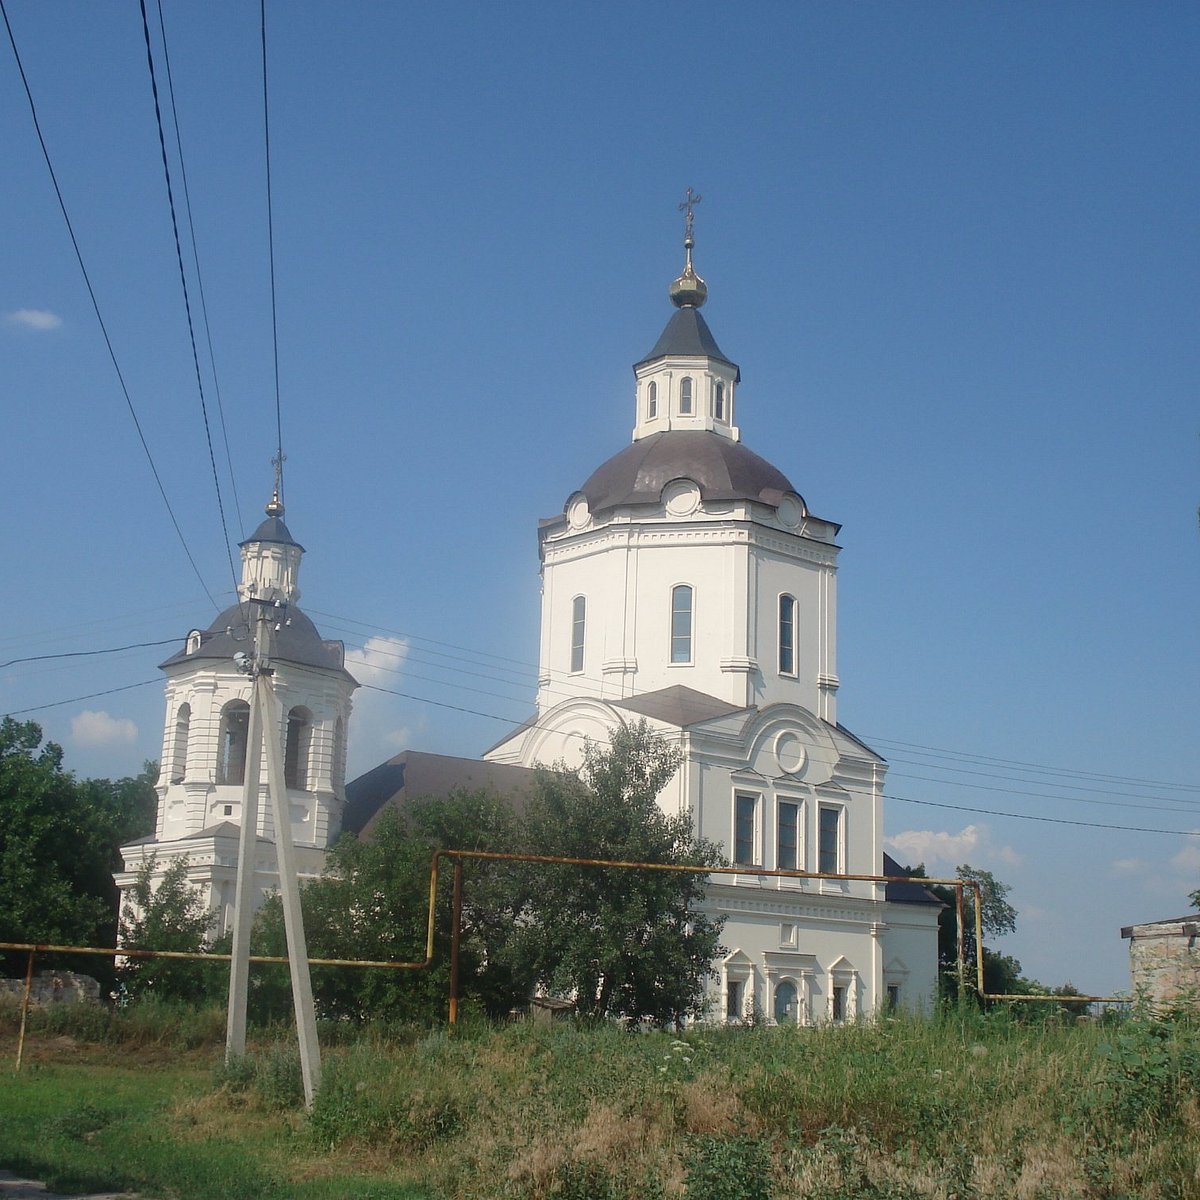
[(231, 746), (295, 749), (179, 744), (681, 623), (685, 394), (578, 628), (719, 402), (787, 635), (652, 400), (786, 1006)]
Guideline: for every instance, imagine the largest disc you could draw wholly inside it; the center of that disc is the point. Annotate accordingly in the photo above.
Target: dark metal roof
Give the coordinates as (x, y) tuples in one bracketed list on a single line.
[(678, 705), (272, 530), (723, 470), (905, 893), (687, 334), (413, 774), (296, 642)]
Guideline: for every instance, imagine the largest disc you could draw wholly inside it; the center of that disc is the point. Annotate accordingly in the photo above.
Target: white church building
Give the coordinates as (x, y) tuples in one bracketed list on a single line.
[(685, 582)]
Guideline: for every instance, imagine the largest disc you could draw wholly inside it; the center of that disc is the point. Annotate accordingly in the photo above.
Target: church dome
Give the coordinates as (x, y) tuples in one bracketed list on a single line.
[(295, 641), (722, 469)]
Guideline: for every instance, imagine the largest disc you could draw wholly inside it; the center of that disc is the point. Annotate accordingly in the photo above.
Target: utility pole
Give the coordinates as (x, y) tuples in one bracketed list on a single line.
[(264, 726)]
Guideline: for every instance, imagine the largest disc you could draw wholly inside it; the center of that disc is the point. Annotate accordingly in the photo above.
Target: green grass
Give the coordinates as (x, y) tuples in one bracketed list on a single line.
[(959, 1105)]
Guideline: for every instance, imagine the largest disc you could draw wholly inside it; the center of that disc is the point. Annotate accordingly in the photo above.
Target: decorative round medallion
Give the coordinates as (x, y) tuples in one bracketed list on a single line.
[(578, 513), (790, 753), (791, 511), (681, 497)]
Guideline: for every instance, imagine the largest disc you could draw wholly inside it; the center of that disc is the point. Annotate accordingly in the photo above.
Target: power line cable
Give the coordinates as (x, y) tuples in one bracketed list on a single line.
[(17, 712), (991, 812), (533, 725), (1042, 767), (874, 741), (187, 304), (271, 249), (12, 662), (187, 208), (96, 305)]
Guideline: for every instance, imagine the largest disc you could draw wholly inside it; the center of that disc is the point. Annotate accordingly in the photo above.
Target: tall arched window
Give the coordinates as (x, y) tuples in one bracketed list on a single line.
[(681, 623), (652, 400), (685, 394), (719, 402), (578, 629), (295, 749), (179, 744), (231, 746), (787, 635)]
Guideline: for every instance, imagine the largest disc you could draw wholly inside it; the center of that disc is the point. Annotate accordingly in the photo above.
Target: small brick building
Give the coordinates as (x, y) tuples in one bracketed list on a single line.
[(1164, 959)]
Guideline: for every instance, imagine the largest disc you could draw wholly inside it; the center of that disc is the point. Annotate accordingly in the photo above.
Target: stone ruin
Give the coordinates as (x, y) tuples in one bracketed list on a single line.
[(53, 987)]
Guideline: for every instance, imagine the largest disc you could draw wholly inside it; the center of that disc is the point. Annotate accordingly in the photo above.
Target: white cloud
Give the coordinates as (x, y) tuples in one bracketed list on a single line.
[(973, 843), (90, 728), (379, 662), (38, 320), (1187, 860), (382, 725), (1129, 866)]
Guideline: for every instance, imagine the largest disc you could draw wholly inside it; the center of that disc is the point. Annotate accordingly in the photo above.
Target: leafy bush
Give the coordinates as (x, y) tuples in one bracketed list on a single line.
[(729, 1169)]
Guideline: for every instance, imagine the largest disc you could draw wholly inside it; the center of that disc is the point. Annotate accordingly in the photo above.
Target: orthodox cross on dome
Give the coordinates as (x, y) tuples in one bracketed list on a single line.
[(689, 290), (275, 507), (688, 208)]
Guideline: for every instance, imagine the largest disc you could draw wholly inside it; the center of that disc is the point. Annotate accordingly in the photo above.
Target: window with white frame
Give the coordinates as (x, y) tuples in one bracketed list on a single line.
[(681, 623), (578, 628), (829, 839), (745, 829), (837, 1004), (652, 400), (787, 635), (788, 842), (719, 402), (685, 395), (735, 991)]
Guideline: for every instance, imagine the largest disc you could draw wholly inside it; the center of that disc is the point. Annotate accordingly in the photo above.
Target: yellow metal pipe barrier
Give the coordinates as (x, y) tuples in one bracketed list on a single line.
[(556, 860)]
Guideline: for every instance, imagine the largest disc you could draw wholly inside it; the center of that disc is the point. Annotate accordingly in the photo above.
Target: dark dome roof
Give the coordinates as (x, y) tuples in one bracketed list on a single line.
[(272, 530), (297, 642), (723, 470)]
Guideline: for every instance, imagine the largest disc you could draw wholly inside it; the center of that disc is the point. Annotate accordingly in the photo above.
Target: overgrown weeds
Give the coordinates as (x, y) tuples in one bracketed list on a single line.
[(962, 1104)]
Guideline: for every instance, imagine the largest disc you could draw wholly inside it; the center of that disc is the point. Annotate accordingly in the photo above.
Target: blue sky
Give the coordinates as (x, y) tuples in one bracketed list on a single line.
[(954, 249)]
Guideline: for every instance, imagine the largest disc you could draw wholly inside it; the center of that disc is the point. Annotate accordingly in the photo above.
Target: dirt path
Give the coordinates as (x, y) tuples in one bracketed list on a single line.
[(14, 1188)]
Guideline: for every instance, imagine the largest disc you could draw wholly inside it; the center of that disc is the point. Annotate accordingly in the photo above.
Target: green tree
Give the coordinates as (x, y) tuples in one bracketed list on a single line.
[(619, 942), (58, 849), (1001, 972), (373, 902), (172, 916)]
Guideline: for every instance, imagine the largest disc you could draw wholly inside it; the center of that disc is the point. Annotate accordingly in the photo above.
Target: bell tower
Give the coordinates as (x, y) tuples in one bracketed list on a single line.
[(204, 751)]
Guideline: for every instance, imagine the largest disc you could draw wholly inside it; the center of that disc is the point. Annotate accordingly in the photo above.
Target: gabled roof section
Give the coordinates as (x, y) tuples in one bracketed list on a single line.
[(411, 775), (687, 335), (905, 893), (678, 705)]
